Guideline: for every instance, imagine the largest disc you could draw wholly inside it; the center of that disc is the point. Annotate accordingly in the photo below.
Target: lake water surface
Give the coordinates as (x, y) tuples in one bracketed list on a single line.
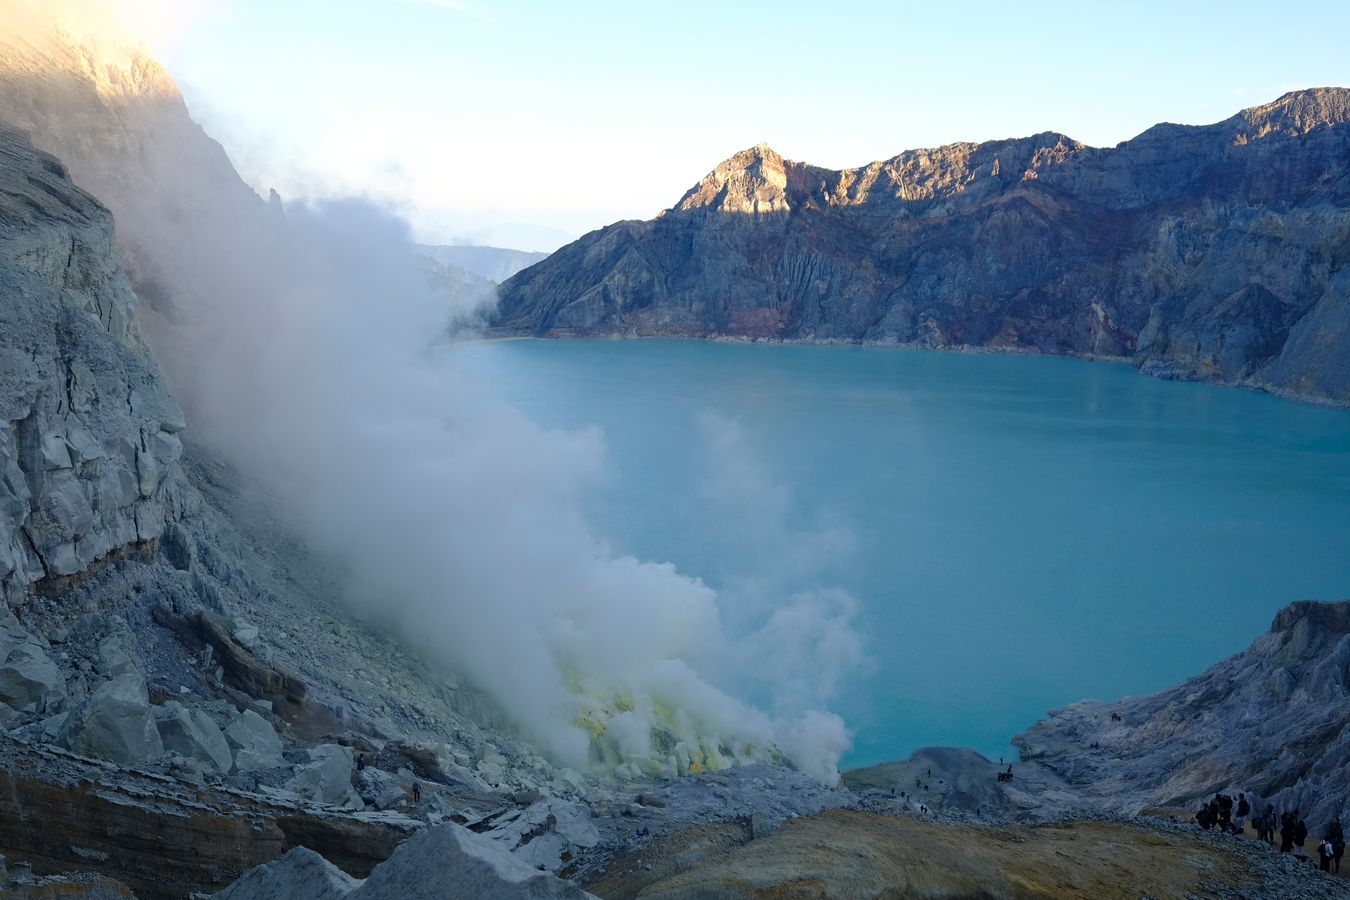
[(1020, 532)]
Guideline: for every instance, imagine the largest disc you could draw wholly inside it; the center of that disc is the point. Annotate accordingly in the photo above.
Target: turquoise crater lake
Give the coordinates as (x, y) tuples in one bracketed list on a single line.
[(1020, 532)]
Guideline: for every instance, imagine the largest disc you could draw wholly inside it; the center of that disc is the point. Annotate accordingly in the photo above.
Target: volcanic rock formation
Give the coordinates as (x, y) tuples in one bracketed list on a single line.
[(88, 433), (1215, 252)]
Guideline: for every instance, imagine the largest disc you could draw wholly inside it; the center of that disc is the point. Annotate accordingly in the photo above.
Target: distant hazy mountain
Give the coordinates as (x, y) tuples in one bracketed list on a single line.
[(491, 263), (1214, 252)]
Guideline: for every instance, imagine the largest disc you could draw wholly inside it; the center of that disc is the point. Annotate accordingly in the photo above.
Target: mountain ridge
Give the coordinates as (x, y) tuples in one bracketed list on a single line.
[(1211, 252), (1295, 112)]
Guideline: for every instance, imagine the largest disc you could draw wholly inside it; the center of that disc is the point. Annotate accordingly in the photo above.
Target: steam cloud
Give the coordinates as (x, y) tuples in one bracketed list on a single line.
[(460, 520)]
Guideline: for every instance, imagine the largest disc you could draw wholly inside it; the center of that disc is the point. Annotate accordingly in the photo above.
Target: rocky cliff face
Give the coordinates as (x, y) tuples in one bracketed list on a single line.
[(163, 837), (88, 433), (1213, 252), (1273, 721)]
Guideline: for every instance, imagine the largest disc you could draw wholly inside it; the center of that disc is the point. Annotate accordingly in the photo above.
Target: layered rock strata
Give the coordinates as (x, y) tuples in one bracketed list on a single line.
[(161, 836)]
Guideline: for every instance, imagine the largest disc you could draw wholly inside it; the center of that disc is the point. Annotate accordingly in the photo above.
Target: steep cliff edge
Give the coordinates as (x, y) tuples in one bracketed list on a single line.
[(1273, 721), (88, 433), (1214, 252)]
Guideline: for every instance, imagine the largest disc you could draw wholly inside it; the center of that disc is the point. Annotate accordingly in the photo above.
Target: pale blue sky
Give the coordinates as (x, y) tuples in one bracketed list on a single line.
[(566, 116)]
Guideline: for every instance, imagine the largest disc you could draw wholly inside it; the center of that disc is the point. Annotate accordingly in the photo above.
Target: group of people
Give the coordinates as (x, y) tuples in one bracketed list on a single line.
[(1225, 814), (1229, 815)]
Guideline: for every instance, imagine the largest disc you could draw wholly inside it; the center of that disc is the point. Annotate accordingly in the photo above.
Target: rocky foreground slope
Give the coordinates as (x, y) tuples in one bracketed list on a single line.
[(1215, 252), (1272, 721)]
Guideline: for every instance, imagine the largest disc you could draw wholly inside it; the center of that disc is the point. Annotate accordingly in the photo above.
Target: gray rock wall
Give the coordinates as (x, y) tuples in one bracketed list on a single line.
[(88, 433)]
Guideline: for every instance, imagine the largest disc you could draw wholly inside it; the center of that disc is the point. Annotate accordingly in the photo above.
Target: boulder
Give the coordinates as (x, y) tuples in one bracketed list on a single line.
[(431, 759), (255, 743), (300, 874), (379, 788), (327, 777), (43, 731), (245, 633), (117, 655), (450, 861), (29, 681), (186, 768), (193, 734), (115, 723), (545, 834), (570, 781), (179, 547)]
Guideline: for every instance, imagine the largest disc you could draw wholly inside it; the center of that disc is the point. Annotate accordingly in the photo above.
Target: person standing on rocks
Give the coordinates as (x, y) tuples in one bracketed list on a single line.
[(1287, 832), (1268, 819), (1300, 832), (1244, 809), (1337, 836), (1225, 811)]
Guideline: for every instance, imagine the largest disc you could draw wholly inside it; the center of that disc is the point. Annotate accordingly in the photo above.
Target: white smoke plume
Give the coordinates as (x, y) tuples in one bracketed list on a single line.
[(461, 520), (799, 636)]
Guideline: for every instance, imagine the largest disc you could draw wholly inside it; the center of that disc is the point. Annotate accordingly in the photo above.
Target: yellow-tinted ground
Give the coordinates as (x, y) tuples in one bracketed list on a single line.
[(855, 855)]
